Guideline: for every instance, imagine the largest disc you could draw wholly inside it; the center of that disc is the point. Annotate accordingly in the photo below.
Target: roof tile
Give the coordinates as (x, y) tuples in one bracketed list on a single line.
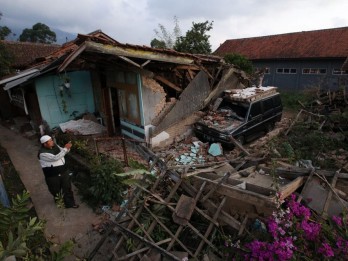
[(326, 43)]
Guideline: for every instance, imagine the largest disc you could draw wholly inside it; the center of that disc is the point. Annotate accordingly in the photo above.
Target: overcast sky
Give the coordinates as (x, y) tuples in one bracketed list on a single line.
[(134, 21)]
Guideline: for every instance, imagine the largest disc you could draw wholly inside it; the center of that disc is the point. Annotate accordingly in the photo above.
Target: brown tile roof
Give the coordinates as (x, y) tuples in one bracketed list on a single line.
[(326, 43), (25, 53)]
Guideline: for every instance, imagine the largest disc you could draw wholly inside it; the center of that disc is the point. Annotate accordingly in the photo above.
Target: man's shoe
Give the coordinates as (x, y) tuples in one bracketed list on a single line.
[(73, 206)]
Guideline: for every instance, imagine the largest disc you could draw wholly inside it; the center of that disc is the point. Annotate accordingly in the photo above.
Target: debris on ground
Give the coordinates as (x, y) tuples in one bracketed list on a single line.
[(203, 190)]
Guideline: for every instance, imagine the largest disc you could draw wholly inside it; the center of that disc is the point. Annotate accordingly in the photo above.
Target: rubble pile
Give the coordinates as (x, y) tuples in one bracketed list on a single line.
[(222, 119), (202, 190)]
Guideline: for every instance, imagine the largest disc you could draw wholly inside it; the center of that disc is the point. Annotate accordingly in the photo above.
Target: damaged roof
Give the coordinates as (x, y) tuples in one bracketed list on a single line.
[(327, 43), (96, 45), (98, 48)]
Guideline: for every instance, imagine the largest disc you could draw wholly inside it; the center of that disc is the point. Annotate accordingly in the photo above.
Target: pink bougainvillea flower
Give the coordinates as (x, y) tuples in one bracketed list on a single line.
[(311, 230), (337, 220), (326, 250)]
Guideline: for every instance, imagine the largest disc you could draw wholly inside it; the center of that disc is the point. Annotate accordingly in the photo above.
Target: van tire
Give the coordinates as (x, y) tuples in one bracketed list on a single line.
[(269, 127), (241, 140)]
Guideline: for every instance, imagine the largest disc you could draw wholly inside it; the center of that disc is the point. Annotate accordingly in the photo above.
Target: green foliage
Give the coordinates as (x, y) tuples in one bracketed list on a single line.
[(16, 232), (40, 33), (106, 186), (166, 39), (4, 30), (155, 43), (292, 99), (196, 40), (239, 60), (64, 250), (6, 59), (18, 212)]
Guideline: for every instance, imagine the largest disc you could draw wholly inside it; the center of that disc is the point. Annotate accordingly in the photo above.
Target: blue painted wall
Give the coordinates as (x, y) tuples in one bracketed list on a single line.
[(78, 98), (300, 81)]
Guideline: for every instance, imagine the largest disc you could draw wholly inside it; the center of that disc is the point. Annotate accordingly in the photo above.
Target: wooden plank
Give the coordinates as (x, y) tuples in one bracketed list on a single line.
[(329, 196), (210, 227), (168, 83), (208, 204), (293, 172), (184, 210), (142, 250), (306, 185), (130, 233), (291, 187), (186, 175), (242, 227), (223, 179), (243, 195), (235, 142), (129, 61), (169, 232)]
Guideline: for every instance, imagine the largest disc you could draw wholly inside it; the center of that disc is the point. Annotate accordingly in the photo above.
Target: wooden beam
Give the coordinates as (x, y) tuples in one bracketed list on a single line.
[(129, 61), (72, 57), (168, 83), (145, 63), (187, 67)]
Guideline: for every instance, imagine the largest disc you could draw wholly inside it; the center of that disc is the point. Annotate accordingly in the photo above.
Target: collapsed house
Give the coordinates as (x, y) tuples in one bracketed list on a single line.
[(135, 91)]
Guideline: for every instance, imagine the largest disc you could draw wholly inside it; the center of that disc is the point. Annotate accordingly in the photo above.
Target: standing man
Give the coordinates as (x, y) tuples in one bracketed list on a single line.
[(52, 161)]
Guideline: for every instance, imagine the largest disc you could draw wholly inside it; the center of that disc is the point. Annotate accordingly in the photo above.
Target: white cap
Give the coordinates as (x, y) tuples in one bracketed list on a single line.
[(45, 138)]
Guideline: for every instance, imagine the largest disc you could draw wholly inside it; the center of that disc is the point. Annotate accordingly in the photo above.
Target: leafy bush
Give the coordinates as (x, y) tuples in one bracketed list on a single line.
[(107, 187), (17, 229), (239, 60)]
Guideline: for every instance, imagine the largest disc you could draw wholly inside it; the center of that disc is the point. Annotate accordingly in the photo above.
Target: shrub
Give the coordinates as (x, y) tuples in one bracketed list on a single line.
[(293, 233), (107, 187)]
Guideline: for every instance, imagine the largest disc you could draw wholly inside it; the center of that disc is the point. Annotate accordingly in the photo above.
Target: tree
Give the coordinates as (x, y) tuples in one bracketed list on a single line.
[(167, 40), (40, 33), (239, 60), (155, 43), (4, 30), (196, 40), (5, 57), (5, 60)]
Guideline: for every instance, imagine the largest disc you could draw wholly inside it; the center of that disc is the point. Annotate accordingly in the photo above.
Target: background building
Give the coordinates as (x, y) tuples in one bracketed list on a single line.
[(298, 60)]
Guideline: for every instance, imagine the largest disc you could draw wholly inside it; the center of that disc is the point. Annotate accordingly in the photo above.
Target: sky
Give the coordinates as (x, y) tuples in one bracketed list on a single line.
[(135, 21)]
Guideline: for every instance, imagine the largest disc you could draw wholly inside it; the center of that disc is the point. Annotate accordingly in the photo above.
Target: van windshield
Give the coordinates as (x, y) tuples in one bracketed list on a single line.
[(237, 111)]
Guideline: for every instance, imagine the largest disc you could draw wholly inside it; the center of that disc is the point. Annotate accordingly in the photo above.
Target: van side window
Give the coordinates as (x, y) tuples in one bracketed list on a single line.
[(255, 110)]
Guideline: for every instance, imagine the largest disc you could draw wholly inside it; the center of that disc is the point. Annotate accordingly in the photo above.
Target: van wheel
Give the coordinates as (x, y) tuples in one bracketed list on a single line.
[(241, 140), (270, 127)]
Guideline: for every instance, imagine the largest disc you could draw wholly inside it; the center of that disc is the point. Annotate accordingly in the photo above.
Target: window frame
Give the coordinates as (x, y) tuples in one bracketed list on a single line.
[(286, 71)]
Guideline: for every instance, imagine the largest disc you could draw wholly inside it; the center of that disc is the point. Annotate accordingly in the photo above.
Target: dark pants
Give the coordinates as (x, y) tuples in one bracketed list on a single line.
[(61, 184)]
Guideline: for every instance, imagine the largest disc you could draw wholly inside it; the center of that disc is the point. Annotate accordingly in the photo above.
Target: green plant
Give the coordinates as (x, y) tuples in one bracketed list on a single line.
[(16, 230), (64, 250), (292, 100), (106, 186), (239, 60)]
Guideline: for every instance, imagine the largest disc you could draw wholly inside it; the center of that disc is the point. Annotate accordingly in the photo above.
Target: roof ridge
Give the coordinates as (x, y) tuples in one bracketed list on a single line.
[(283, 34)]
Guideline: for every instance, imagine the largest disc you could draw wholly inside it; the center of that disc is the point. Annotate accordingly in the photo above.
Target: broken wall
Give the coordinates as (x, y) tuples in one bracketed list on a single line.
[(190, 101), (154, 99)]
